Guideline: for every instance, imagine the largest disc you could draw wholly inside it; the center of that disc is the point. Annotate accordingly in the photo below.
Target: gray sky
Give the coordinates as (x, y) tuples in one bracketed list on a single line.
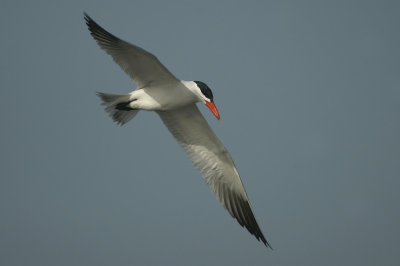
[(309, 95)]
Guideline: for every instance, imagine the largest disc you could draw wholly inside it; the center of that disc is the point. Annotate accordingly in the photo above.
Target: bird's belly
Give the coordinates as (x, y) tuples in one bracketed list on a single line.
[(164, 99)]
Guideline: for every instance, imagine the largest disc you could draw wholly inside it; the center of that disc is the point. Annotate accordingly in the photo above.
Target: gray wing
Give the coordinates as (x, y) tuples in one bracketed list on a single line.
[(210, 157), (143, 67)]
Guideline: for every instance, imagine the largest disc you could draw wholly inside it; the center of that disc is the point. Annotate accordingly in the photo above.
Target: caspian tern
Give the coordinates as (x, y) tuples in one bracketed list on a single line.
[(175, 101)]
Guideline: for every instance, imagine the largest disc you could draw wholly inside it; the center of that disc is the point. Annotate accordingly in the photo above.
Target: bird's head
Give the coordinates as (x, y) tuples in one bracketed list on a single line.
[(206, 96)]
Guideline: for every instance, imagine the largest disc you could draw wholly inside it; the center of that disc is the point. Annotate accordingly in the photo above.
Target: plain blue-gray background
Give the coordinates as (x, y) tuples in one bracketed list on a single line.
[(309, 95)]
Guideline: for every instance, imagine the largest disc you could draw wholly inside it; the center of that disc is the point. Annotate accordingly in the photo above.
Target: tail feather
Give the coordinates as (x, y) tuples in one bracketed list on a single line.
[(117, 107)]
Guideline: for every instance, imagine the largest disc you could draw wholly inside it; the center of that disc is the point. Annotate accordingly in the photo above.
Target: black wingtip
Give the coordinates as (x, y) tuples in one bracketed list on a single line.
[(87, 18), (102, 37), (250, 221), (91, 24), (265, 242), (260, 237), (89, 21)]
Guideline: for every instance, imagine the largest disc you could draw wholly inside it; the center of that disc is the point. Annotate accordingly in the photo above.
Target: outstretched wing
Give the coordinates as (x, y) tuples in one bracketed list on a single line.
[(210, 157), (143, 67)]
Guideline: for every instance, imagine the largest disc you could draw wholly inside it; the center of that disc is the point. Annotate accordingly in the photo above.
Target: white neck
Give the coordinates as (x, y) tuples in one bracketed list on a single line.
[(192, 86)]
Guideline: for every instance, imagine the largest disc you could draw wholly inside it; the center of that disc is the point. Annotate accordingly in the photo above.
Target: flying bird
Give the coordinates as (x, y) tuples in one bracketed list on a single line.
[(174, 100)]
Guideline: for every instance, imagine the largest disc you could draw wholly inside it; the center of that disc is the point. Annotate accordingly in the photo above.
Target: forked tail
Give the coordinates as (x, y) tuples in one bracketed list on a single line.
[(117, 106)]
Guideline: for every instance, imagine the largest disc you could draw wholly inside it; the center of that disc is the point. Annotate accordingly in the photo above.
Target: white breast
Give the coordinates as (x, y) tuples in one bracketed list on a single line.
[(163, 98)]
